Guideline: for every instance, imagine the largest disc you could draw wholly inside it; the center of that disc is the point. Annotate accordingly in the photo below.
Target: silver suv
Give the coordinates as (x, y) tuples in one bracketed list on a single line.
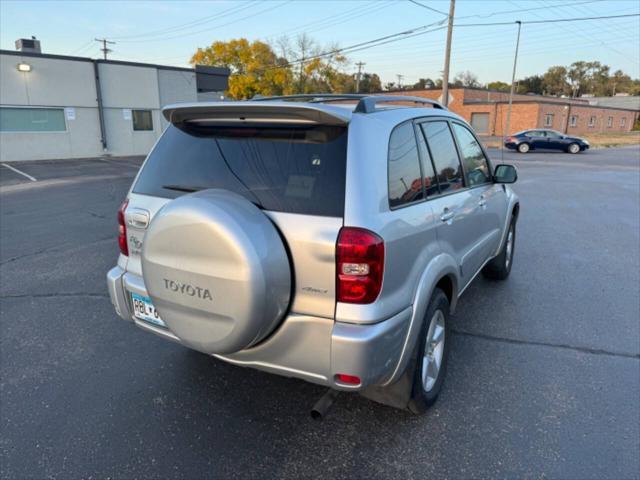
[(321, 237)]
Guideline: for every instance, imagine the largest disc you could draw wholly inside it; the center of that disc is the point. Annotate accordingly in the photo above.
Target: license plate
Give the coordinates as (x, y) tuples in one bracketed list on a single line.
[(144, 310)]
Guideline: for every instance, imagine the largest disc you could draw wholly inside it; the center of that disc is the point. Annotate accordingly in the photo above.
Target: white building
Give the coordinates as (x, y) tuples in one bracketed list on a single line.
[(54, 106)]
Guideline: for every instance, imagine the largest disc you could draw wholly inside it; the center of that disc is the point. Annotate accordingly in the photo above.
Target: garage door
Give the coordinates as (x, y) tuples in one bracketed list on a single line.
[(480, 122)]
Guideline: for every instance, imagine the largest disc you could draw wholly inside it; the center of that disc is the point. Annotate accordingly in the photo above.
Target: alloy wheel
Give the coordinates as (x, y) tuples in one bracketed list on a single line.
[(433, 351)]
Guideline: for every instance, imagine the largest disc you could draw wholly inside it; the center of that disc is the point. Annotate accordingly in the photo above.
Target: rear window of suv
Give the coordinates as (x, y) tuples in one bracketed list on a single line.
[(293, 169)]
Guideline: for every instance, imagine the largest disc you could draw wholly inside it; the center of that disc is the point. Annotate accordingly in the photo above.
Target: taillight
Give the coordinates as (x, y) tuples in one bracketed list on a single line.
[(359, 264), (122, 229), (510, 139)]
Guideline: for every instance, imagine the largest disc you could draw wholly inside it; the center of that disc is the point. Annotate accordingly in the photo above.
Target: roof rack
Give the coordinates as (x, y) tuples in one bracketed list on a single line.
[(366, 103), (312, 97)]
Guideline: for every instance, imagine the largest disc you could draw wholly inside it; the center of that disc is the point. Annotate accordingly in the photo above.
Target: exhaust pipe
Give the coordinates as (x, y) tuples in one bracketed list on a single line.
[(323, 405)]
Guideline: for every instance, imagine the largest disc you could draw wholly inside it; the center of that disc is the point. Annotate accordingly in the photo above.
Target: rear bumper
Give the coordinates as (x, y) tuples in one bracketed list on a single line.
[(311, 348)]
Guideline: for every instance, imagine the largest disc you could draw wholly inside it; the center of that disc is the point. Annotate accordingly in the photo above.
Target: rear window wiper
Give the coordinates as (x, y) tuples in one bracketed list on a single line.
[(183, 188)]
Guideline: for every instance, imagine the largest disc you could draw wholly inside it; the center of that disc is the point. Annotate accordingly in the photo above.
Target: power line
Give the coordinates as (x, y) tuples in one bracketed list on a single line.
[(555, 20), (429, 8), (193, 23), (212, 27)]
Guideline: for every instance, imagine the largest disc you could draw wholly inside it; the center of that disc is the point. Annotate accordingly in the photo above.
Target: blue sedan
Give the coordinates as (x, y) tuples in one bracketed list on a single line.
[(545, 140)]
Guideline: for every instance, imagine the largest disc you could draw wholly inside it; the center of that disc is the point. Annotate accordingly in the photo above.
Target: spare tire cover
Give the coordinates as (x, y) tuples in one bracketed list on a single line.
[(216, 270)]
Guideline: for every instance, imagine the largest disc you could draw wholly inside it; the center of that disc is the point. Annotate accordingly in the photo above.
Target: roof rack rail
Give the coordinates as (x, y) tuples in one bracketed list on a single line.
[(368, 103), (312, 97)]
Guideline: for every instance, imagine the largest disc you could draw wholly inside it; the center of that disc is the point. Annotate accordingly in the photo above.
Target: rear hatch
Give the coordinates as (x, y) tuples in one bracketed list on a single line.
[(289, 160)]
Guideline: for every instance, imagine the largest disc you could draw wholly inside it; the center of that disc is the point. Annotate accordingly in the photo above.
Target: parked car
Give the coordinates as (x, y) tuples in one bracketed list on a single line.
[(528, 140), (315, 239)]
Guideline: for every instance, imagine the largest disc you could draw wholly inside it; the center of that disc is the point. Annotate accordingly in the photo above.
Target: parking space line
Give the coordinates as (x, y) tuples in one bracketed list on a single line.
[(19, 172)]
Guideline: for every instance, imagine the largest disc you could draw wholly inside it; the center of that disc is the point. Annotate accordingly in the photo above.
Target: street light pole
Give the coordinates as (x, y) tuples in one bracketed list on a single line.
[(513, 84), (447, 56)]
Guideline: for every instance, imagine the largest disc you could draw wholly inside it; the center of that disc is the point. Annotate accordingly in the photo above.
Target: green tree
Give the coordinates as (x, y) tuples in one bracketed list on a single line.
[(370, 83), (423, 83), (554, 81), (619, 82), (466, 79), (532, 84), (498, 85)]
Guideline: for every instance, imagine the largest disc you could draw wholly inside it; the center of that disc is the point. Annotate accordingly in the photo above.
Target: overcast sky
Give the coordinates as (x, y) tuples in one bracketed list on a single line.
[(168, 32)]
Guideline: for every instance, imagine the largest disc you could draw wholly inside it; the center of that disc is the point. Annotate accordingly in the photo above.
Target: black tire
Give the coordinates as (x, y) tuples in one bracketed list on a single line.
[(573, 148), (524, 148), (500, 267), (421, 399)]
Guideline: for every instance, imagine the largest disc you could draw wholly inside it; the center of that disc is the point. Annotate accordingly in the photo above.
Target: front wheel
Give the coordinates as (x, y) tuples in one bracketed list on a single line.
[(524, 148), (573, 148), (500, 267), (432, 354)]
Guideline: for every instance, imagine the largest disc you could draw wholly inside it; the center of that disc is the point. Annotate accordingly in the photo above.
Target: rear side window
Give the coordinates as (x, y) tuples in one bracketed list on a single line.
[(475, 163), (299, 169), (444, 154), (405, 185)]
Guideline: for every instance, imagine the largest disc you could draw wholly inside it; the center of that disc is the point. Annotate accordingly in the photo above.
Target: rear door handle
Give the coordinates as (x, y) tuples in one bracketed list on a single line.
[(447, 215)]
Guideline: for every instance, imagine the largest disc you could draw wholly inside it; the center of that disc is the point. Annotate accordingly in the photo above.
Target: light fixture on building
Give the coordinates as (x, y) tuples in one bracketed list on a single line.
[(24, 67)]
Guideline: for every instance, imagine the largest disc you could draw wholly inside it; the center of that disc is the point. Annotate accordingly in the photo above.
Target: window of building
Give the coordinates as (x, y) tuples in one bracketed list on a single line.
[(32, 119), (405, 184), (444, 154), (475, 163), (142, 120), (573, 120), (548, 120), (592, 121), (480, 122), (610, 122), (623, 121)]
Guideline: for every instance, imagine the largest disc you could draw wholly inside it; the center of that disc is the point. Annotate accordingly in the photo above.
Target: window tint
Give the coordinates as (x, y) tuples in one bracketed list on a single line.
[(32, 120), (475, 163), (445, 156), (552, 134), (142, 120), (285, 169), (405, 185), (429, 177)]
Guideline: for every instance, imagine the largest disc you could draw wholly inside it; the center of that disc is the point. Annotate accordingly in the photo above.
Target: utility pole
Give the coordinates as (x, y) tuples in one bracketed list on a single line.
[(513, 84), (104, 48), (359, 65), (447, 56), (400, 77)]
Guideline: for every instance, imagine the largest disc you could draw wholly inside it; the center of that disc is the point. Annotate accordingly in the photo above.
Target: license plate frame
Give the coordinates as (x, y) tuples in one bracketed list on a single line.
[(143, 309)]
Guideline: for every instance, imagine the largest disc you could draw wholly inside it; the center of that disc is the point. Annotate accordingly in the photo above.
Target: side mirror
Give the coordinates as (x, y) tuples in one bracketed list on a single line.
[(505, 174)]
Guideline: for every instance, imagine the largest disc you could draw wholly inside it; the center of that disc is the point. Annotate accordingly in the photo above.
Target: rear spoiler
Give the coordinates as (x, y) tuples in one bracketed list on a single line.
[(249, 112)]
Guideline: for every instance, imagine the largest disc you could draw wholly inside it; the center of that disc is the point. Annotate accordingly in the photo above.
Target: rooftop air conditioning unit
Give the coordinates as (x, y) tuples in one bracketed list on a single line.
[(28, 45)]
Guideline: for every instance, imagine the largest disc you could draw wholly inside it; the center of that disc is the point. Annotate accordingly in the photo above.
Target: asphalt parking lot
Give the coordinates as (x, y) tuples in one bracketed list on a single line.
[(543, 380)]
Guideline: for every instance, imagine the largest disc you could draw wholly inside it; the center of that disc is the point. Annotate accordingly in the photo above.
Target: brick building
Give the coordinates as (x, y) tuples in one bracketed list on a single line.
[(486, 110)]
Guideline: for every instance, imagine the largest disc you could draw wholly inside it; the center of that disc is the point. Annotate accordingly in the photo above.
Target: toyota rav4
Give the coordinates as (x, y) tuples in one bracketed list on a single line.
[(321, 237)]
